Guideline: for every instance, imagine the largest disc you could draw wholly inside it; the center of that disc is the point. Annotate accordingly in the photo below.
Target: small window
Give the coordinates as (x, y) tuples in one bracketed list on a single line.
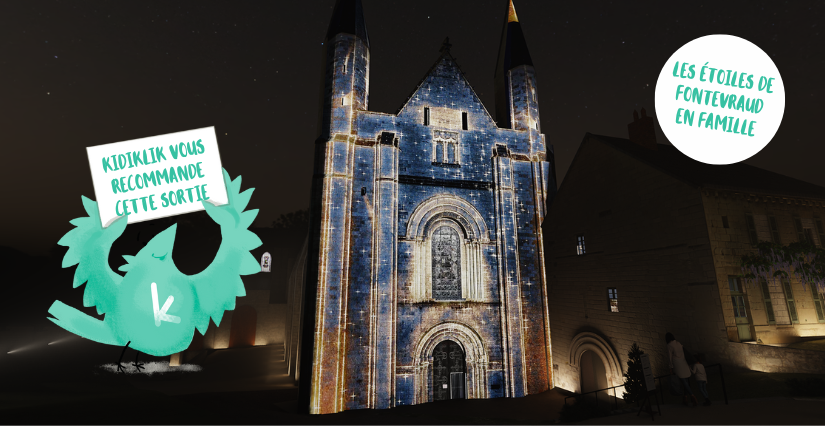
[(464, 121), (580, 245), (786, 285), (363, 190), (426, 116), (449, 154), (774, 229), (751, 229), (612, 300), (725, 222), (766, 296), (818, 303)]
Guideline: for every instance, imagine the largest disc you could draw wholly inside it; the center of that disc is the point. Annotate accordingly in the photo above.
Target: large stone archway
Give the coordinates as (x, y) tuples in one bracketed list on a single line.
[(588, 341), (475, 353), (454, 212)]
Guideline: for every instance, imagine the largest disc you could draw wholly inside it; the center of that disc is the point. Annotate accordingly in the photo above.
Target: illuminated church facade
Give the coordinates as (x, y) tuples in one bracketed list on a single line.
[(425, 273)]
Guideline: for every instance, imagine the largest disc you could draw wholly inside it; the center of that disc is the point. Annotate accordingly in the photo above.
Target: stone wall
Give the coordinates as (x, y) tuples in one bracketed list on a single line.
[(771, 359), (645, 235), (731, 242)]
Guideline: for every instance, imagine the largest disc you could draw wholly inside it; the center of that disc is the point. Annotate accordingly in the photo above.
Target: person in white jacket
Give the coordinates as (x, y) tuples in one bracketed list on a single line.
[(698, 369), (679, 367)]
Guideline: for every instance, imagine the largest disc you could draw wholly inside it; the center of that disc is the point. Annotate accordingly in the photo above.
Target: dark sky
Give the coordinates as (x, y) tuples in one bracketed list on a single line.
[(78, 74)]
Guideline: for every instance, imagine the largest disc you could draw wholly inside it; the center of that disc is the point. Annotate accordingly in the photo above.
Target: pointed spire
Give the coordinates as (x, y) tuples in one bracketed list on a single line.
[(513, 50), (511, 15), (511, 54), (348, 17)]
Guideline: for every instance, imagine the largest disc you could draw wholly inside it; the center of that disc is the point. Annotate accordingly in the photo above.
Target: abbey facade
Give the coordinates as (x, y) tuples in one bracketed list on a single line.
[(425, 273)]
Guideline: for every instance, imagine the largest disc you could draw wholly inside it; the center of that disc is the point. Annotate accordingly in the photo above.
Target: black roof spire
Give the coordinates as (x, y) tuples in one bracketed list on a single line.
[(513, 50), (348, 17)]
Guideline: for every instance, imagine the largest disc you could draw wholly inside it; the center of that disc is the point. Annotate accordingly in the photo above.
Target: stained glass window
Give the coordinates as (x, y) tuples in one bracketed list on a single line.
[(446, 264)]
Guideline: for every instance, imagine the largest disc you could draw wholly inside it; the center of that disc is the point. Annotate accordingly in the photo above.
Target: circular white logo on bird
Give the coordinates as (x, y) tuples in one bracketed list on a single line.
[(720, 99)]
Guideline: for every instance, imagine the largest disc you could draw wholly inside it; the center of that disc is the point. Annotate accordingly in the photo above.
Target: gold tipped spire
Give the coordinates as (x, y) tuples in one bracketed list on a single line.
[(511, 16)]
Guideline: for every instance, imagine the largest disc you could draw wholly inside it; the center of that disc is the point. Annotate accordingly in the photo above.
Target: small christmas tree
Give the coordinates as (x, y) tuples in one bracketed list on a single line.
[(634, 377)]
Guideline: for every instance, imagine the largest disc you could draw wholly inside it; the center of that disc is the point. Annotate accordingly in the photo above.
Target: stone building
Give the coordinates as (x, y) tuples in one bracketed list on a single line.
[(425, 277), (641, 240)]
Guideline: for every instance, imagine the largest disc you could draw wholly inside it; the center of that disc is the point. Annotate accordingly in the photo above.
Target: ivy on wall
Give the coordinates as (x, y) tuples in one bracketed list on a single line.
[(801, 260)]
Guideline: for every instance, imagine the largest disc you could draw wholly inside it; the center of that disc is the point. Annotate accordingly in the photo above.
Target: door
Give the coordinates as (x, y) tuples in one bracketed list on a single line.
[(740, 311), (242, 331), (593, 375), (448, 371)]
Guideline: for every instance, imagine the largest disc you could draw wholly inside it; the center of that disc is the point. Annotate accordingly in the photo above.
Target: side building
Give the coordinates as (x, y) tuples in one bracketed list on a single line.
[(425, 276), (641, 240)]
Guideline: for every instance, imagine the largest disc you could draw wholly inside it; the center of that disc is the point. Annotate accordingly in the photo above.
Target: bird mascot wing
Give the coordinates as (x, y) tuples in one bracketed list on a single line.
[(89, 244), (219, 284)]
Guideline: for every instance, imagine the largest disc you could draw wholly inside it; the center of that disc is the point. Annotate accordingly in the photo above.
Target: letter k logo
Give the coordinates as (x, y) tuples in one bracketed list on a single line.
[(161, 315)]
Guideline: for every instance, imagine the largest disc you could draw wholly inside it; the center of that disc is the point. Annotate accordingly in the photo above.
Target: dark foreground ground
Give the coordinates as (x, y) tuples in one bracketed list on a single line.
[(62, 385)]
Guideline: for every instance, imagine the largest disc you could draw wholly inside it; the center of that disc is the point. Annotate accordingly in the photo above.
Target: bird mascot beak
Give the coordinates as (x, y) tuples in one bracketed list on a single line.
[(161, 246)]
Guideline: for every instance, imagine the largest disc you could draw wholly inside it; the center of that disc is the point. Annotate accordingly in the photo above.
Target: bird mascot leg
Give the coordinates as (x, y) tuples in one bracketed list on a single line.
[(119, 366), (138, 365)]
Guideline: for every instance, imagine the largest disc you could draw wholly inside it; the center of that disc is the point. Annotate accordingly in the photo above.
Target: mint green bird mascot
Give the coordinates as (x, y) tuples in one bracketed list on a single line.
[(155, 308)]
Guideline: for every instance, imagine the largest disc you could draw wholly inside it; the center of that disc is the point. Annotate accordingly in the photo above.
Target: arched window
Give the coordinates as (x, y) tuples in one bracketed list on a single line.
[(446, 263)]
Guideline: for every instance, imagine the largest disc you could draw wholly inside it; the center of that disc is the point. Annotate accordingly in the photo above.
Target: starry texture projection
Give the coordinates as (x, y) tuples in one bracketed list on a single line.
[(426, 229)]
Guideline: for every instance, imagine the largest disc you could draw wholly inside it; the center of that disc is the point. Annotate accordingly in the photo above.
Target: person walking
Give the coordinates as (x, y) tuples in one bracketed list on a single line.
[(698, 369), (679, 367)]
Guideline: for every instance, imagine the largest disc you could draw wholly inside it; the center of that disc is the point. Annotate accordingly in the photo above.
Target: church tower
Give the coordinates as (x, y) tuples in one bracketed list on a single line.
[(425, 273), (345, 91)]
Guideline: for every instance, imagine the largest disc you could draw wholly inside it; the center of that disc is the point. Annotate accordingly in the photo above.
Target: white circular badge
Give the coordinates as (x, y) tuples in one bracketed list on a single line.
[(720, 99)]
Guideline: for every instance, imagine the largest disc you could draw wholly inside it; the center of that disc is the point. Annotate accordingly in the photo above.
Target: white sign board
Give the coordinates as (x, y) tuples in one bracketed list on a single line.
[(650, 383), (158, 176), (266, 262)]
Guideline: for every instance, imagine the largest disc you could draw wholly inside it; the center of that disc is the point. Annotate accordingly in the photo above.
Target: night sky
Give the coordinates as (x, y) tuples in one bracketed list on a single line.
[(78, 74)]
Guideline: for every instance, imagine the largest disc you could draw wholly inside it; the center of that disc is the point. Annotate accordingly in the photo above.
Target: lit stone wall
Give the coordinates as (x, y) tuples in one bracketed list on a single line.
[(729, 244), (645, 235), (662, 244), (390, 184)]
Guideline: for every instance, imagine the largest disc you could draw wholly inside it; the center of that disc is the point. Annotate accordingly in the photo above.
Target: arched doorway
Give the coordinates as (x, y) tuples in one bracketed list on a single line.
[(593, 373), (244, 322), (448, 371)]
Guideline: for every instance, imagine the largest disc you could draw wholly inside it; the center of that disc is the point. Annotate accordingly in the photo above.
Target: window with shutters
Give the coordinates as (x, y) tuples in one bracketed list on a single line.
[(818, 303), (766, 296), (786, 285), (820, 230), (774, 229), (751, 229), (809, 235), (737, 298), (800, 233)]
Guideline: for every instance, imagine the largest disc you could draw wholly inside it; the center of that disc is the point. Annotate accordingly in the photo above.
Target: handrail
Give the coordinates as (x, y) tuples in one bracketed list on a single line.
[(659, 386)]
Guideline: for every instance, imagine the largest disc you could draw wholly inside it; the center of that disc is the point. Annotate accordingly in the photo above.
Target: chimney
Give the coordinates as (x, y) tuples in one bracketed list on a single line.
[(642, 131)]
